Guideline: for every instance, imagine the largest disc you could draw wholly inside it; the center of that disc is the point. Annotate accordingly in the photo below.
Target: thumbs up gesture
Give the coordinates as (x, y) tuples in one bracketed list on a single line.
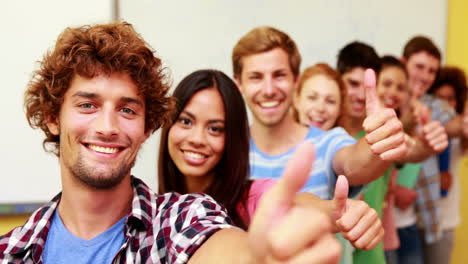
[(284, 232), (416, 107), (431, 132), (384, 132), (356, 221)]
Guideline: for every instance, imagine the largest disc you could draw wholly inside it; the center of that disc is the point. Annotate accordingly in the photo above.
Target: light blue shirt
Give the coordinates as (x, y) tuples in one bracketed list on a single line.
[(63, 247), (322, 178)]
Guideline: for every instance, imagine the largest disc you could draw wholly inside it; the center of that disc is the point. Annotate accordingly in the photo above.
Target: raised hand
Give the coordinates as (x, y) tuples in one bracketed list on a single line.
[(357, 222), (417, 108), (340, 198), (384, 131), (424, 116), (282, 231), (431, 132)]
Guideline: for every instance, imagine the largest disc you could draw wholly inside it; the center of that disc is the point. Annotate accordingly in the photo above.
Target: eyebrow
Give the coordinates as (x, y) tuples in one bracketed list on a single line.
[(94, 96), (255, 72), (193, 117), (216, 121), (280, 70), (353, 81), (132, 100), (187, 113), (85, 95)]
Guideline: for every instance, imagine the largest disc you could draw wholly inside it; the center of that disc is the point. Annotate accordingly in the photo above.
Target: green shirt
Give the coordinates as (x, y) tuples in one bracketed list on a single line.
[(408, 174), (374, 195)]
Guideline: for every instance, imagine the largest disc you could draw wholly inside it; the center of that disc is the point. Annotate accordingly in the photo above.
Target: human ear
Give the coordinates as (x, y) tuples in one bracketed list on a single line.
[(403, 60), (53, 126), (147, 134), (295, 97), (296, 82), (238, 84)]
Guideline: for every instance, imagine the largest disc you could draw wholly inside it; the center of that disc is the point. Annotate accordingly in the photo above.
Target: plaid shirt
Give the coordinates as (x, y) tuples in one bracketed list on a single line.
[(428, 185), (166, 228)]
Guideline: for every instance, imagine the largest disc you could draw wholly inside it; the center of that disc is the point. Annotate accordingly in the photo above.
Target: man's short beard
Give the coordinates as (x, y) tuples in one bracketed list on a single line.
[(96, 179)]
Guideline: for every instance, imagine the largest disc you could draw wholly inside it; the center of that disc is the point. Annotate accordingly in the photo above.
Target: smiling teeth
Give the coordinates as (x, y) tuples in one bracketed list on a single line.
[(320, 120), (103, 149), (390, 102), (269, 104), (194, 155)]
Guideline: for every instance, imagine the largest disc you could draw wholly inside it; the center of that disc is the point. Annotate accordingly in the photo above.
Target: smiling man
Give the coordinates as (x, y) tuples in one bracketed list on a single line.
[(99, 150), (353, 59), (97, 97), (422, 59)]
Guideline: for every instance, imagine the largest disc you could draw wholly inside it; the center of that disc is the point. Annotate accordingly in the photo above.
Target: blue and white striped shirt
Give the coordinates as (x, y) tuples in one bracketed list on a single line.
[(322, 177)]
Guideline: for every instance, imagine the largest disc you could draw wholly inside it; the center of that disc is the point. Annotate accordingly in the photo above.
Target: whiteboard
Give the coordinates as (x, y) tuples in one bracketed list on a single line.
[(187, 35)]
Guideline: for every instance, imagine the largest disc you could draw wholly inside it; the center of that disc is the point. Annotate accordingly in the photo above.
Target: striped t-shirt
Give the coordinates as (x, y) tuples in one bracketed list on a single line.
[(322, 177)]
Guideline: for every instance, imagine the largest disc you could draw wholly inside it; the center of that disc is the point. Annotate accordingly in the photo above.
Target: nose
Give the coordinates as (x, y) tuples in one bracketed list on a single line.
[(320, 105), (107, 123), (361, 93), (197, 137), (427, 75), (268, 88), (389, 92)]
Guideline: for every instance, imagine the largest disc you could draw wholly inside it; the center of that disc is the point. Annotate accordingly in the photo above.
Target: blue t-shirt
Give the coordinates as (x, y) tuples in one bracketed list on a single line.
[(322, 177), (63, 247)]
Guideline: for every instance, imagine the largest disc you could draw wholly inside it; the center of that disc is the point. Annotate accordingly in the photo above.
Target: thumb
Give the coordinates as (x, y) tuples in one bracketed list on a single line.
[(372, 102), (414, 96), (413, 103), (297, 171), (340, 197), (424, 115), (277, 201)]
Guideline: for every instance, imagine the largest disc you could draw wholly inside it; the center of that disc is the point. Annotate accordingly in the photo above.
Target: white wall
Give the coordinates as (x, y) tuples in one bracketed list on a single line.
[(28, 29), (191, 35), (188, 35)]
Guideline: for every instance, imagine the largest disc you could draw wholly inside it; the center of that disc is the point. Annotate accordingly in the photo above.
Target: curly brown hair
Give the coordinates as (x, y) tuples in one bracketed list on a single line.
[(456, 78), (90, 51)]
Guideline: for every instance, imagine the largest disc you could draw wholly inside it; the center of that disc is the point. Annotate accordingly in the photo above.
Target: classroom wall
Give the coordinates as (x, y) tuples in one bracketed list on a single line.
[(457, 54)]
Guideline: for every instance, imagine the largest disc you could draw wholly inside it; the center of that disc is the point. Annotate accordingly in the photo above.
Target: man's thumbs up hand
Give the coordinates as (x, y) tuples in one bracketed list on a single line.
[(384, 131)]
